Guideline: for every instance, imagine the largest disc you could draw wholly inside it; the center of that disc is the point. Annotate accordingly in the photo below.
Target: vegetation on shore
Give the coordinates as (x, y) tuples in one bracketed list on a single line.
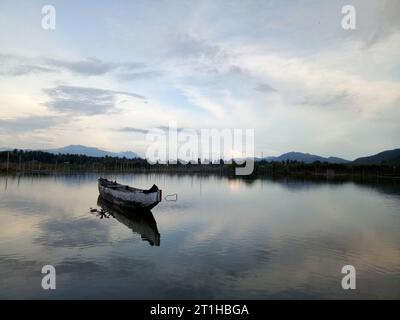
[(21, 162)]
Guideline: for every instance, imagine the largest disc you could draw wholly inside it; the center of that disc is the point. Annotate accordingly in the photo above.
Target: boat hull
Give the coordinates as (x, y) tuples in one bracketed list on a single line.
[(133, 199)]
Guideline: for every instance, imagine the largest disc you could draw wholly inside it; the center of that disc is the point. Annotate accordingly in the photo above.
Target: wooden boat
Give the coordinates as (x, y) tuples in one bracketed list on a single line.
[(140, 221), (127, 196)]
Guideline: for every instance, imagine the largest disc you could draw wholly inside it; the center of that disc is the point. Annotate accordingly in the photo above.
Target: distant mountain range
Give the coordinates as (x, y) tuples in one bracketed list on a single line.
[(91, 152), (305, 157), (386, 157)]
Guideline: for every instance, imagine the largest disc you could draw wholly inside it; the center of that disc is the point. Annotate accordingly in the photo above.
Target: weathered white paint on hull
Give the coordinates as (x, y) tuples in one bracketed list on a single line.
[(133, 198)]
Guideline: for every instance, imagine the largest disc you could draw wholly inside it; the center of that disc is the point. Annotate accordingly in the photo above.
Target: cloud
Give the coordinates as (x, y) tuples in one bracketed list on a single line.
[(338, 99), (27, 124), (193, 53), (138, 75), (202, 101), (17, 65), (166, 128), (23, 69), (134, 130), (84, 101), (89, 66), (219, 64), (94, 67), (144, 131), (14, 65), (192, 45), (265, 88), (378, 21)]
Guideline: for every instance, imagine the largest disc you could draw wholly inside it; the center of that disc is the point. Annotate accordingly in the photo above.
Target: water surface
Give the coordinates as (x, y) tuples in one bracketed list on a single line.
[(222, 239)]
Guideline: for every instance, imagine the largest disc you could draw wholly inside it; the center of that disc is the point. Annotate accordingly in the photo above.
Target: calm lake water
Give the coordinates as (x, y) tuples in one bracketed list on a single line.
[(222, 239)]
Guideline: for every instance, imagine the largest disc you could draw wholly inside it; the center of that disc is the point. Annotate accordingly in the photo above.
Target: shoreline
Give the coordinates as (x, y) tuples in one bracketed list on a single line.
[(212, 173)]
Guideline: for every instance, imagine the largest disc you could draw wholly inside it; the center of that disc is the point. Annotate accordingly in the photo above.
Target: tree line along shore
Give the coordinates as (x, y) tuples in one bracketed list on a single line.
[(27, 162)]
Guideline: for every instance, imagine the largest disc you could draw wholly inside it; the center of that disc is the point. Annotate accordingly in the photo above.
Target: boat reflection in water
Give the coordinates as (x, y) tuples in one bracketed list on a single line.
[(139, 221)]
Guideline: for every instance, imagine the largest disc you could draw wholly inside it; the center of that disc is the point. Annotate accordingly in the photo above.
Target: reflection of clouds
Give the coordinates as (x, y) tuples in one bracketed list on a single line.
[(312, 270), (17, 230), (79, 268), (117, 267), (262, 242), (274, 250), (390, 188), (308, 185), (302, 268), (208, 233), (123, 266), (235, 185), (9, 264), (375, 253), (24, 206), (72, 233), (30, 195), (19, 275)]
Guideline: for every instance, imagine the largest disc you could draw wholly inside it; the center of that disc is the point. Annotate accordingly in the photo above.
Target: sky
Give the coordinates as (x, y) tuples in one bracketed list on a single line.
[(110, 71)]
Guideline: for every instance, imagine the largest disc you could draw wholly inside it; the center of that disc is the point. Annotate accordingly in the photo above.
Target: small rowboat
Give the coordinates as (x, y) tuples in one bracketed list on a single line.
[(127, 196)]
